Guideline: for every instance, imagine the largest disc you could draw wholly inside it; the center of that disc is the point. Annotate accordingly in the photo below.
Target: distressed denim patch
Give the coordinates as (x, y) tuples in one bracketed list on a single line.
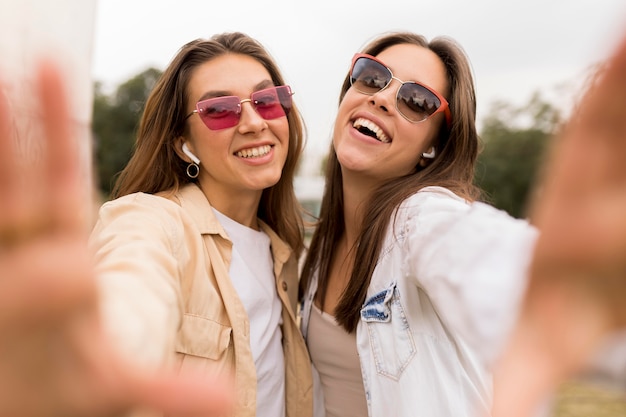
[(376, 308), (390, 337)]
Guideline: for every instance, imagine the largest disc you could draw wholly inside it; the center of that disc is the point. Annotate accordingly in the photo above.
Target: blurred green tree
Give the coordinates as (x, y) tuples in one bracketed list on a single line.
[(514, 143), (114, 125)]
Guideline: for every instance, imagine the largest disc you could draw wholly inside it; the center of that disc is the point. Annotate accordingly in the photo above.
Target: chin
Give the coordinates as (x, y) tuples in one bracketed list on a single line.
[(263, 182)]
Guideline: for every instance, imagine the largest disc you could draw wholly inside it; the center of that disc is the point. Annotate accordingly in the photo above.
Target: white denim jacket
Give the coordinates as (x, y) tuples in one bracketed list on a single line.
[(440, 304)]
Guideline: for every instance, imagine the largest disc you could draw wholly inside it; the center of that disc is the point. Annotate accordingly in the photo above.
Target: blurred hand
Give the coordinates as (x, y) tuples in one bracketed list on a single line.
[(54, 356), (578, 278)]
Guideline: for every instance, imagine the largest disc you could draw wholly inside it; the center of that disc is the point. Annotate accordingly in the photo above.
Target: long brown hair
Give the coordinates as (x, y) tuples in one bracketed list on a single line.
[(453, 168), (155, 167)]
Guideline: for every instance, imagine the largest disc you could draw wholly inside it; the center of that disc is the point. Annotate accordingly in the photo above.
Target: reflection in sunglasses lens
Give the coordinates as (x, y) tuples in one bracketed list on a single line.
[(414, 101)]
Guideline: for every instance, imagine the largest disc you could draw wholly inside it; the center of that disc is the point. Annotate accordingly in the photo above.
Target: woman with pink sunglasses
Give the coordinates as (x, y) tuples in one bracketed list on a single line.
[(411, 286), (195, 257)]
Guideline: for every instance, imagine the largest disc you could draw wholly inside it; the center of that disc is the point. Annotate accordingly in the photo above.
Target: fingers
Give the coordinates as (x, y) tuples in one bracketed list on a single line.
[(42, 257), (50, 333), (8, 166), (583, 196), (61, 167), (40, 189)]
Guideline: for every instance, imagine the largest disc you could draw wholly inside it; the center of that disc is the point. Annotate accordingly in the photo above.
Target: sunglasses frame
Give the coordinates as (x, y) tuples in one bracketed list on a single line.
[(443, 107), (251, 100)]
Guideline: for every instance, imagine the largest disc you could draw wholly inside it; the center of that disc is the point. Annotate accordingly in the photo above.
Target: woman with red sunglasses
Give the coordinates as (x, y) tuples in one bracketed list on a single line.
[(411, 285), (195, 257)]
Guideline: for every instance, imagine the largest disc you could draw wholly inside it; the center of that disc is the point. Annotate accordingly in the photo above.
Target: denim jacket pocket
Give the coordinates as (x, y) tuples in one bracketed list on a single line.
[(390, 337), (200, 336)]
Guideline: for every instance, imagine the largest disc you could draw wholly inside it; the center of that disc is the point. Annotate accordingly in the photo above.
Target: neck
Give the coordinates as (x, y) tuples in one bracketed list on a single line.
[(357, 190), (241, 207)]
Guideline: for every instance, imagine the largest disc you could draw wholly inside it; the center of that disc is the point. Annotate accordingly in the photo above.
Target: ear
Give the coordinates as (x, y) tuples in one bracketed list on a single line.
[(184, 152), (427, 157)]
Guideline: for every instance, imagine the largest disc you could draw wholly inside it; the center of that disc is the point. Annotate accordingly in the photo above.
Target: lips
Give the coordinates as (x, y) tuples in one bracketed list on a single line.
[(254, 152), (369, 128)]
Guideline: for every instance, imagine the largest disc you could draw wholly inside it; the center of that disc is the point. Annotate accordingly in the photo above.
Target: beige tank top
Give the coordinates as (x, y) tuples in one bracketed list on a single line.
[(334, 354)]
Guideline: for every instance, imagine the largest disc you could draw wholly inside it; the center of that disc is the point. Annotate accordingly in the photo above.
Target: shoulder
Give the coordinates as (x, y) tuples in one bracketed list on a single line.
[(432, 201), (141, 206), (139, 211), (139, 201), (437, 209)]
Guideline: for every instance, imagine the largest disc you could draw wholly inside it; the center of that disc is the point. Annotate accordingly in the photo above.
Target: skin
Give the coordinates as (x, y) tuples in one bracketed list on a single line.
[(55, 359), (365, 161), (577, 284), (234, 184)]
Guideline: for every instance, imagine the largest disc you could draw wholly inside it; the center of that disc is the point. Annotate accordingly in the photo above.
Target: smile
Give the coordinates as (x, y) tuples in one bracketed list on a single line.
[(254, 152), (369, 128)]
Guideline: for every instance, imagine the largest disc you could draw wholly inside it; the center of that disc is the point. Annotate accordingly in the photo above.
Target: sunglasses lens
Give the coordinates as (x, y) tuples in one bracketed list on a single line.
[(272, 103), (417, 103), (369, 76), (224, 112), (220, 112)]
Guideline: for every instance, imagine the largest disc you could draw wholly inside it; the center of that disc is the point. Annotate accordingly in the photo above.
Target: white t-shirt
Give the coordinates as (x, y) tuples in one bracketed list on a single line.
[(252, 274)]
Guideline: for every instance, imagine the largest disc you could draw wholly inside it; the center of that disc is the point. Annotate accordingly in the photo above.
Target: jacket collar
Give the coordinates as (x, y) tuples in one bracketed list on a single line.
[(194, 202)]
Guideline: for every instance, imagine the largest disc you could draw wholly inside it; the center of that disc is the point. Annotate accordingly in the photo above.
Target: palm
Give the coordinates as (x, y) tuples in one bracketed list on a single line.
[(578, 277), (54, 357)]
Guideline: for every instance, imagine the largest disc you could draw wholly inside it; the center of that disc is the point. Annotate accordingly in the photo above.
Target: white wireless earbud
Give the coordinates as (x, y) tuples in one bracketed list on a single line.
[(429, 155), (187, 152)]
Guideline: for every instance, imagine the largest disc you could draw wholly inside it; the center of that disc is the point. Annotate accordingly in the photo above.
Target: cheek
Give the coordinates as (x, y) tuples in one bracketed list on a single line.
[(344, 110), (281, 131)]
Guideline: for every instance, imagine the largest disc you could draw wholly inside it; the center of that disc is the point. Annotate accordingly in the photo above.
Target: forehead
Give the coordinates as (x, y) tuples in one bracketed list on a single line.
[(229, 74), (411, 62)]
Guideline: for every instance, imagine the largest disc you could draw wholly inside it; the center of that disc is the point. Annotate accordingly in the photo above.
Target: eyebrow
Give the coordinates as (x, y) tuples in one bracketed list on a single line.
[(222, 93)]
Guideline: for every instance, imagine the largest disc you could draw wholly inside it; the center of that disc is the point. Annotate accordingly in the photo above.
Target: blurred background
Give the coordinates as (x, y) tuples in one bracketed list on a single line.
[(531, 61)]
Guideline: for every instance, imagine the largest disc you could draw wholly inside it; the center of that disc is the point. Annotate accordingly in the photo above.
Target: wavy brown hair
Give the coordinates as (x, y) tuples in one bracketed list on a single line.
[(453, 168), (156, 168)]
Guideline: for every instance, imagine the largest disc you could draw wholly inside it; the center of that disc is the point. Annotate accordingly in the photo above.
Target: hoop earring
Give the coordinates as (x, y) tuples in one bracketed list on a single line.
[(193, 170)]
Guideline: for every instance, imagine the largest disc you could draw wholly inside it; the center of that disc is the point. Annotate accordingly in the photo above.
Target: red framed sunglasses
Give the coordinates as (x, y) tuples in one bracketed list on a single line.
[(415, 101), (224, 112)]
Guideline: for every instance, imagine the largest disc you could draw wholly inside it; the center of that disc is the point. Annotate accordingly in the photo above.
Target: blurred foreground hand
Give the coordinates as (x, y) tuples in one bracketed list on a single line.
[(577, 290), (54, 356)]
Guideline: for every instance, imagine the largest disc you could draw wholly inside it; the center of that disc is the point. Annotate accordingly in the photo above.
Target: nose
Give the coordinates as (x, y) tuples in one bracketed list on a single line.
[(250, 119), (386, 97)]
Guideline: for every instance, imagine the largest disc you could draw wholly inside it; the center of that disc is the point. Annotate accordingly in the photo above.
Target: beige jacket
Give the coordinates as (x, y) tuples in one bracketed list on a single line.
[(163, 268)]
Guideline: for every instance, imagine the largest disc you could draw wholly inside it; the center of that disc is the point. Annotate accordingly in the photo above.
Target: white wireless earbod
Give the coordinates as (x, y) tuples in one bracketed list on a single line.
[(429, 155), (187, 152)]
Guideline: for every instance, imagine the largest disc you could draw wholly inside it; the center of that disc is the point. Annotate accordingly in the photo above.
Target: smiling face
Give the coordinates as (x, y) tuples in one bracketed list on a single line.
[(374, 142), (236, 163)]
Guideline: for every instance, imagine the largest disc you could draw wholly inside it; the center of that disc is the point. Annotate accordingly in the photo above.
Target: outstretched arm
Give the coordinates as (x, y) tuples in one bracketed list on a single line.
[(577, 286), (55, 359)]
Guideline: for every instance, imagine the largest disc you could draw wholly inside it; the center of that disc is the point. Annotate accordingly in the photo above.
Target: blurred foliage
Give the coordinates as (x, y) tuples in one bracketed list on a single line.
[(514, 143), (115, 121)]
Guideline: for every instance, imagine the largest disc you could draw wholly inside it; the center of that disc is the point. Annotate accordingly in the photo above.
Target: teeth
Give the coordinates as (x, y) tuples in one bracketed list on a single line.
[(254, 152), (368, 124)]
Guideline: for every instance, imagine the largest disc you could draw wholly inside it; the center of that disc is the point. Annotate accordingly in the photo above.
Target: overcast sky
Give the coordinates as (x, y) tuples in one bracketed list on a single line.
[(516, 47)]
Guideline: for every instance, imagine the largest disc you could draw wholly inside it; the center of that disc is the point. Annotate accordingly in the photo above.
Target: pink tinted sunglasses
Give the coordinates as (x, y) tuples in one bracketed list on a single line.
[(224, 112)]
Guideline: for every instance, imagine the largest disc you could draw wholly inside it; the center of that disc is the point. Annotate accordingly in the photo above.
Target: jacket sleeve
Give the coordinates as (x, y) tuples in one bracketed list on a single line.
[(135, 243), (472, 260)]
